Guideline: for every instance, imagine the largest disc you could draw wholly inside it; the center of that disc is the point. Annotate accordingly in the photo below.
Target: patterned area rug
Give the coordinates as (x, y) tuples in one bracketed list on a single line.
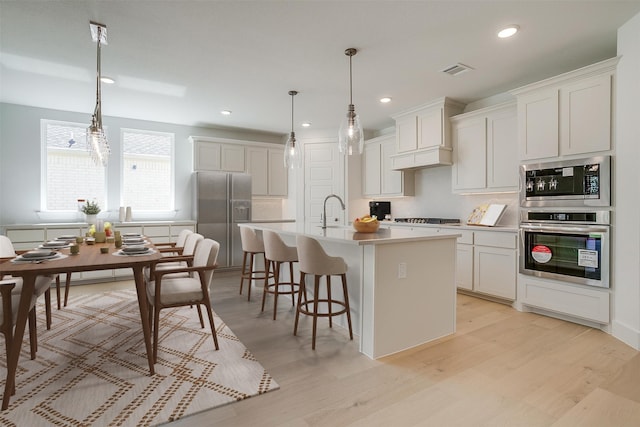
[(91, 368)]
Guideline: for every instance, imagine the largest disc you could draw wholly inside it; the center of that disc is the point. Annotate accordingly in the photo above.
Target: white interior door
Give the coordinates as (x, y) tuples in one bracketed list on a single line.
[(323, 175)]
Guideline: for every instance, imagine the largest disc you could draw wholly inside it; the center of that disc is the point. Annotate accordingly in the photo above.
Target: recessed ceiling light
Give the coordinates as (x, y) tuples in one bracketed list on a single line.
[(385, 100), (225, 112), (508, 31), (107, 80), (306, 124)]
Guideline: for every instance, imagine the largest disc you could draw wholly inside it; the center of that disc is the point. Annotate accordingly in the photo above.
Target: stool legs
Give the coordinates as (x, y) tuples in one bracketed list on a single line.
[(304, 302), (277, 265), (252, 275)]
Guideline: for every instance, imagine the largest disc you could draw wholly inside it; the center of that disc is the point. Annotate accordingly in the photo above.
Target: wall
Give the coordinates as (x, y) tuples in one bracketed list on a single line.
[(433, 198), (20, 160), (626, 227)]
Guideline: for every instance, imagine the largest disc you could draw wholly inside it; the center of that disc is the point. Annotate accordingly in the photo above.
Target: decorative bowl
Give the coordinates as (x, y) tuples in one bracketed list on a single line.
[(366, 227)]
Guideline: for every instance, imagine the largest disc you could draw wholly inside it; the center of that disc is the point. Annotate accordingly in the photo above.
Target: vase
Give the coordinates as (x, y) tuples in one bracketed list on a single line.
[(91, 219)]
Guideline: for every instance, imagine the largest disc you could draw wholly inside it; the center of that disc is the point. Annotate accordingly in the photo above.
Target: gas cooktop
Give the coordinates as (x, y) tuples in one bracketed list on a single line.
[(429, 220)]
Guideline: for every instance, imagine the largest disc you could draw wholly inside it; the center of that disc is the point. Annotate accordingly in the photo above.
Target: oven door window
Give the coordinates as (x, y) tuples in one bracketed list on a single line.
[(576, 255)]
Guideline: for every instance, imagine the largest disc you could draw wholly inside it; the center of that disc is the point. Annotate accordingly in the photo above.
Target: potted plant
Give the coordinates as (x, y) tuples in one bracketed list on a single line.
[(91, 211)]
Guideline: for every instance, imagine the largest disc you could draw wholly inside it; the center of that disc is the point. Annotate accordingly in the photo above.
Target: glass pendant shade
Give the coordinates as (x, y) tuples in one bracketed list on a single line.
[(350, 136), (97, 145), (292, 155), (292, 152)]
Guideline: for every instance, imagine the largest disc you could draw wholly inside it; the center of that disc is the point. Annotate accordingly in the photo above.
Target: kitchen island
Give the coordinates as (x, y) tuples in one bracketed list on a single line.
[(401, 282)]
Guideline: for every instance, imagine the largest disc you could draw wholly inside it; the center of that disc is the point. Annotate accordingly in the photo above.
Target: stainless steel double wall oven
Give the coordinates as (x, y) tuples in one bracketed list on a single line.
[(565, 221)]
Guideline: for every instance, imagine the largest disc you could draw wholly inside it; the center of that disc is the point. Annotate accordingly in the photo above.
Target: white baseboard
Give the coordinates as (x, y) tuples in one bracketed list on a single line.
[(626, 334)]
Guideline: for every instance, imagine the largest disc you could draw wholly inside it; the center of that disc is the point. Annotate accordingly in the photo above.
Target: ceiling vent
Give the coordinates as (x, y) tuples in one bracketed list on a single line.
[(456, 69)]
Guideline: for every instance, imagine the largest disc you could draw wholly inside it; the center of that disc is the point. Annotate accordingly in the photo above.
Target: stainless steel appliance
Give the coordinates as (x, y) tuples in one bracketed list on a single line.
[(570, 246), (429, 220), (568, 183), (380, 209), (223, 200)]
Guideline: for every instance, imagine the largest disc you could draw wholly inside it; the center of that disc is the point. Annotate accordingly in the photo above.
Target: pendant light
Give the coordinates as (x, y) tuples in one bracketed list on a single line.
[(292, 155), (350, 136), (97, 143)]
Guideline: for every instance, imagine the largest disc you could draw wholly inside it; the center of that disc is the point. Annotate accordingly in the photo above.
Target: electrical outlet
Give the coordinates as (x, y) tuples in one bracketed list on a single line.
[(402, 270)]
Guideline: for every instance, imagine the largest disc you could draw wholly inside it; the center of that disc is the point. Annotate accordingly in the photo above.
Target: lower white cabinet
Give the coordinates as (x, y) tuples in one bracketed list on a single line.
[(487, 263)]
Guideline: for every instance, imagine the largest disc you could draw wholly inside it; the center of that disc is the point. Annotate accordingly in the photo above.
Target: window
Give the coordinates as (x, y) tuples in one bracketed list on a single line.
[(69, 173), (147, 170)]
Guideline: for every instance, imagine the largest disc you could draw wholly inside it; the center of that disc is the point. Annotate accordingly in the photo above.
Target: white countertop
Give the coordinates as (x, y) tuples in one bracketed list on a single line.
[(347, 234), (84, 224)]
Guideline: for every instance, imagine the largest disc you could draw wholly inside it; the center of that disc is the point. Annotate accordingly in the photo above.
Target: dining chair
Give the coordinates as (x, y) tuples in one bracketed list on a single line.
[(10, 289), (276, 253), (176, 261), (168, 290), (7, 252), (174, 248)]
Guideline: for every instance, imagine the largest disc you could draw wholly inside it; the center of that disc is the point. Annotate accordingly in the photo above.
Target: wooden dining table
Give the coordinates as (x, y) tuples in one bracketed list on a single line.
[(89, 258)]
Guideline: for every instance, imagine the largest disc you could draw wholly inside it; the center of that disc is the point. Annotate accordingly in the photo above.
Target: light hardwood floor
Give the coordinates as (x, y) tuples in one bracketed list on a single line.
[(501, 368)]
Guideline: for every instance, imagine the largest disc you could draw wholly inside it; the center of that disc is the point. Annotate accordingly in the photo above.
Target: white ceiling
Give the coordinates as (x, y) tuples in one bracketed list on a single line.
[(183, 61)]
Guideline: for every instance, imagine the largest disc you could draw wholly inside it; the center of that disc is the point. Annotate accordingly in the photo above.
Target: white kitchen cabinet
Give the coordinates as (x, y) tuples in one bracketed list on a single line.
[(464, 260), (423, 135), (568, 114), (379, 177), (215, 156), (495, 263), (485, 150), (268, 174)]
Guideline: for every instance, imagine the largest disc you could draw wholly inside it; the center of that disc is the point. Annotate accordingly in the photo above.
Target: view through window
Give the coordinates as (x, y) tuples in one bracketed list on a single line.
[(147, 170)]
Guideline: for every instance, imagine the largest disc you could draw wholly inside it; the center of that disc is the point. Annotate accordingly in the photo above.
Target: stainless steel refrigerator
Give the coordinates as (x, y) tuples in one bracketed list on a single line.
[(222, 201)]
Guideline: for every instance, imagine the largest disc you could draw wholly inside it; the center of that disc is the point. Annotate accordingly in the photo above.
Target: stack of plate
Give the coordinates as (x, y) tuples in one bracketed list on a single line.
[(135, 250), (38, 255), (55, 244)]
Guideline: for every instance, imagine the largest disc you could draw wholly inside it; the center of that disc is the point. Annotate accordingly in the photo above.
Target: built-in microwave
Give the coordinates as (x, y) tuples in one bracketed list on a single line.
[(567, 183)]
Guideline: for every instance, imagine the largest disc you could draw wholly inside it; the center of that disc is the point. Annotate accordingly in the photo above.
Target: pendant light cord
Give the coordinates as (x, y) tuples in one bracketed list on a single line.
[(350, 81), (98, 111)]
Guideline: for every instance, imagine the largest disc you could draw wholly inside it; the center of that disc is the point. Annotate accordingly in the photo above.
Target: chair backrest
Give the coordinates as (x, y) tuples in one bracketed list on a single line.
[(182, 237), (6, 247), (314, 260), (250, 240), (276, 250), (191, 243), (206, 255)]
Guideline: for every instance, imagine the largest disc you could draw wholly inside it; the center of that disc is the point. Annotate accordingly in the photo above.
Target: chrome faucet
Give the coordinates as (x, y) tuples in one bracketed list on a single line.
[(324, 208)]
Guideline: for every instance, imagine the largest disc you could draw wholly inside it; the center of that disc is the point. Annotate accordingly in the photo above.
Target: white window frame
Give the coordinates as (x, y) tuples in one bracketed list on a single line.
[(172, 195)]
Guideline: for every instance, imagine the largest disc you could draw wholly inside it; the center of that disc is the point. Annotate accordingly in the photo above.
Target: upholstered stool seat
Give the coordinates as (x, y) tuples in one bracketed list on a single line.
[(252, 245), (313, 260), (276, 254)]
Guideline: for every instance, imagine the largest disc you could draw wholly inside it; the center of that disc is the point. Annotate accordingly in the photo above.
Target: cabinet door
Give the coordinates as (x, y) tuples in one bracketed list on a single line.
[(232, 158), (430, 130), (585, 116), (495, 271), (538, 125), (371, 171), (206, 156), (407, 133), (464, 266), (470, 152), (391, 181), (278, 176), (502, 150), (258, 168)]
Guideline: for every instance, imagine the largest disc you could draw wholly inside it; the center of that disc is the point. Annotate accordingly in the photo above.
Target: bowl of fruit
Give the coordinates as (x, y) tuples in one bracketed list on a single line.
[(366, 224)]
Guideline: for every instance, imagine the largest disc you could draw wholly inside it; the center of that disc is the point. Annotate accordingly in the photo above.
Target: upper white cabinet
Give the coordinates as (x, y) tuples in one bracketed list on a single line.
[(485, 150), (423, 135), (567, 114), (263, 161), (215, 156), (378, 176), (268, 174)]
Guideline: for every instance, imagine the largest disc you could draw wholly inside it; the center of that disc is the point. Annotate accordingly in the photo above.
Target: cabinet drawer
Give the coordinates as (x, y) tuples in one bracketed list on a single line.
[(129, 229), (496, 239), (466, 238), (156, 230), (19, 236), (52, 233)]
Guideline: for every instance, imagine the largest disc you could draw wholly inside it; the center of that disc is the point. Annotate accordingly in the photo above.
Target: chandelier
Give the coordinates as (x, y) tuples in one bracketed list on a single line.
[(97, 143)]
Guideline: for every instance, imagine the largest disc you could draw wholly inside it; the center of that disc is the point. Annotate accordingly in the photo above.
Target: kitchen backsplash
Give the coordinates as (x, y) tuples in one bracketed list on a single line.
[(433, 198), (266, 209)]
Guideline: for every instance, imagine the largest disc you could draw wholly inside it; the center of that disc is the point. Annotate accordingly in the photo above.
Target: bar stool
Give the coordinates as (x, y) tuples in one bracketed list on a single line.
[(251, 246), (276, 252), (315, 261)]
